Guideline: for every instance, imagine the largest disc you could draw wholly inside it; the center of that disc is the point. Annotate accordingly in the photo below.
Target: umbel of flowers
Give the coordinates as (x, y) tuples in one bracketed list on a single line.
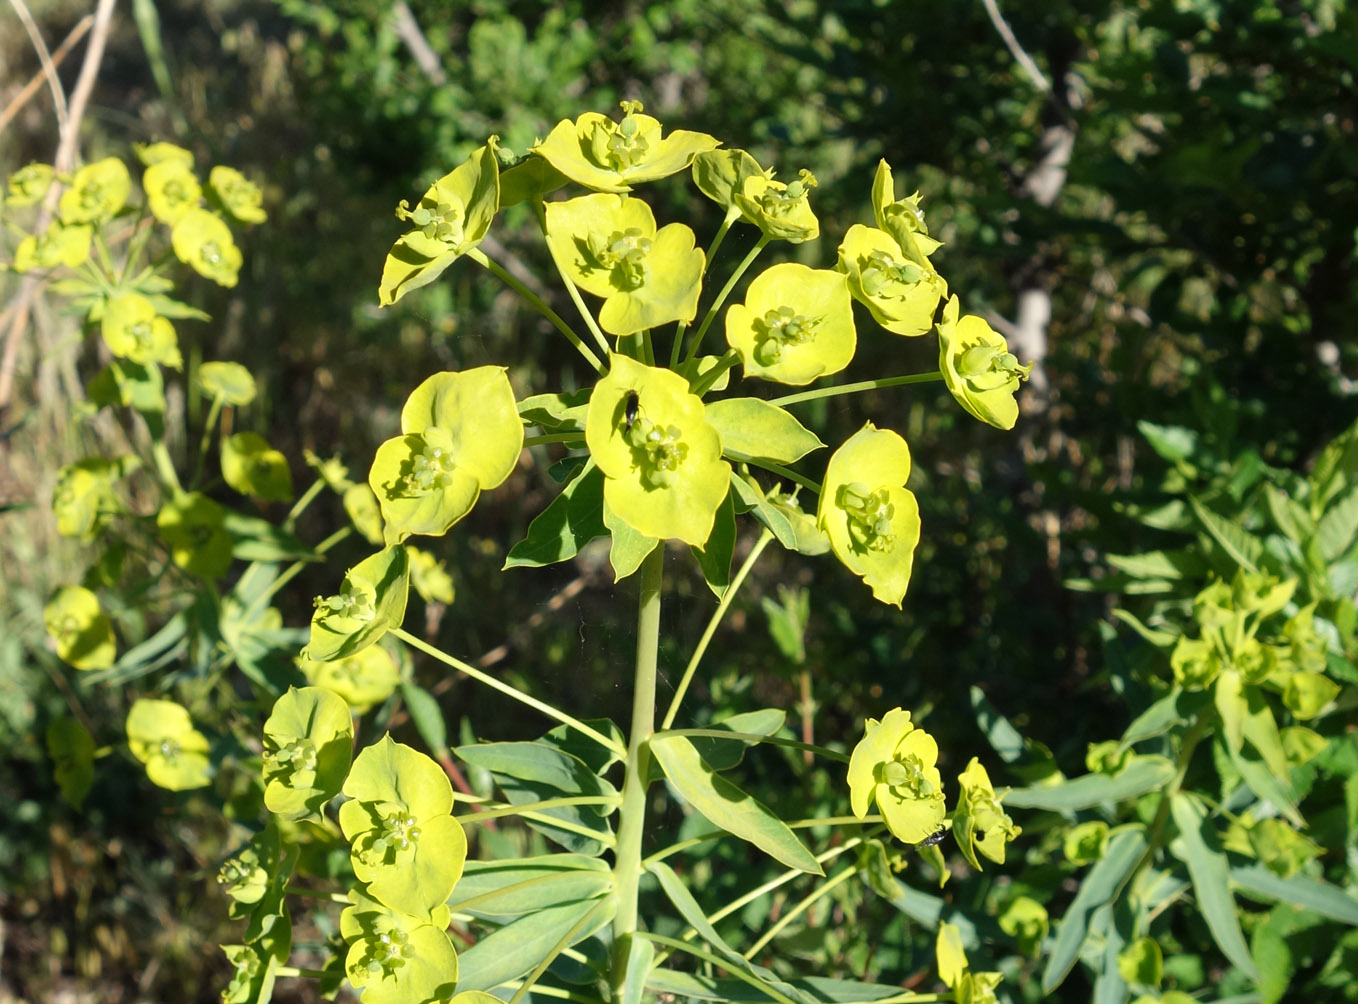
[(660, 443)]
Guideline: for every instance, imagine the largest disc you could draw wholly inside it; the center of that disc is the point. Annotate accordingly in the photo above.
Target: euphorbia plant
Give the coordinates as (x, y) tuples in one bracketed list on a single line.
[(659, 449)]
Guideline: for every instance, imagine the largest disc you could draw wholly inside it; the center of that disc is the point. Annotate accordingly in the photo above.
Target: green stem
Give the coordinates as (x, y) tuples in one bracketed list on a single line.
[(292, 571), (726, 599), (300, 971), (213, 413), (725, 292), (140, 235), (732, 215), (307, 498), (678, 345), (330, 897), (481, 258), (857, 388), (632, 821), (165, 466), (579, 301), (784, 472), (709, 378), (507, 690), (472, 818), (555, 437), (824, 889), (754, 737)]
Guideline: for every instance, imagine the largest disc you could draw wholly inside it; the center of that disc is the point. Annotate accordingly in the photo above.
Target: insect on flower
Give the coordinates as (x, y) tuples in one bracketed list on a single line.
[(932, 839), (630, 412)]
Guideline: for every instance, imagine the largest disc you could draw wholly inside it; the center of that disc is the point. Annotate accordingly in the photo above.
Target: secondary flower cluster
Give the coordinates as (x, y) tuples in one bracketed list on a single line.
[(895, 767)]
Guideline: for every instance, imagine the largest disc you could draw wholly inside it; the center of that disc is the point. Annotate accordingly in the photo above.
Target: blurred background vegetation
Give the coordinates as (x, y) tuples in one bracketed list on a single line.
[(1177, 184)]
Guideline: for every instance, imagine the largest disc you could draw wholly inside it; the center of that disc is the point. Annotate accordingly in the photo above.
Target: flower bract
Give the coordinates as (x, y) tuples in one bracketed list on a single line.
[(231, 382), (133, 330), (237, 194), (29, 184), (450, 219), (609, 246), (610, 156), (172, 189), (795, 325), (395, 957), (894, 766), (308, 741), (253, 467), (661, 459), (872, 520), (194, 527), (364, 679), (461, 435), (161, 735), (781, 211), (81, 629), (371, 601), (978, 367), (60, 244), (203, 242), (97, 192), (979, 822)]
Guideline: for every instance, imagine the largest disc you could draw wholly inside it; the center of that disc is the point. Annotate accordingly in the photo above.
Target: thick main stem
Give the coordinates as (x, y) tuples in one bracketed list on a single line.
[(627, 863)]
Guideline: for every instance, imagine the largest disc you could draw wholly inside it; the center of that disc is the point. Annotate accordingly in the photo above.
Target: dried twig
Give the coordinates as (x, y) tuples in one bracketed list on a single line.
[(33, 86), (408, 31), (1011, 42), (49, 71), (64, 162)]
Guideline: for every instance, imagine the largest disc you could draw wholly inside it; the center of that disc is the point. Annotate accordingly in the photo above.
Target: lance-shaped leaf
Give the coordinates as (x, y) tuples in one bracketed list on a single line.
[(609, 246), (726, 806), (161, 735), (573, 519), (83, 633), (661, 459), (1140, 775), (513, 950), (610, 156), (371, 601), (1100, 886), (872, 520), (502, 889), (460, 435), (750, 428), (450, 219), (71, 748), (395, 957), (308, 740), (405, 843), (1210, 872)]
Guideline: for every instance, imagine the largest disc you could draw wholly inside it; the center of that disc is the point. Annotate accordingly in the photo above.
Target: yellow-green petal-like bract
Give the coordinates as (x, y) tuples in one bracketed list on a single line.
[(132, 330), (82, 632), (238, 195), (900, 292), (172, 189), (872, 520), (609, 246), (795, 325), (203, 242), (610, 156), (161, 735), (978, 367), (97, 192), (661, 459), (29, 184), (894, 766)]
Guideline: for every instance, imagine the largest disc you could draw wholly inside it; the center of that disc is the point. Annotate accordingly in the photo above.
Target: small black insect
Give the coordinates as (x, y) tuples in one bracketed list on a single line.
[(933, 839), (630, 414)]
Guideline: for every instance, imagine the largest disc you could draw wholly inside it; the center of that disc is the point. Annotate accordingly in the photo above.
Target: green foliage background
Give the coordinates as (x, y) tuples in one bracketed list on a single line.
[(1200, 260)]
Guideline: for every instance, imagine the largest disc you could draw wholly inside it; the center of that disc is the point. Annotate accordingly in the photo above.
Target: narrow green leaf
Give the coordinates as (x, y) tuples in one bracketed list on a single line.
[(255, 539), (572, 520), (503, 889), (715, 558), (1115, 922), (1243, 547), (1336, 530), (751, 428), (640, 959), (1172, 442), (1173, 565), (1301, 891), (1101, 885), (1142, 774), (1175, 708), (688, 986), (428, 717), (1160, 639), (513, 950), (1004, 739), (695, 918), (1289, 516), (725, 805), (723, 754), (1210, 872)]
